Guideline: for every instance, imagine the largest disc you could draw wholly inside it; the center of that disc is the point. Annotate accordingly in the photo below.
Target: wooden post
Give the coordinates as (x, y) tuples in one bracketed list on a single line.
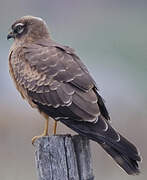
[(63, 157)]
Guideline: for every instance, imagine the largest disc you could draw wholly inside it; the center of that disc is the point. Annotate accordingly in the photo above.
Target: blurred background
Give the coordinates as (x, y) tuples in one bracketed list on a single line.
[(110, 37)]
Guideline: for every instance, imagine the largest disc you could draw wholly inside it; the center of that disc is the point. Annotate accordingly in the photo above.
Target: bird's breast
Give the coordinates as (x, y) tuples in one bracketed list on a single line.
[(17, 69)]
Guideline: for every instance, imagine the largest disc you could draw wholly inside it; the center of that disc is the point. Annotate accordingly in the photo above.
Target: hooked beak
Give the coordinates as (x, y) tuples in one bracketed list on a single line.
[(11, 35)]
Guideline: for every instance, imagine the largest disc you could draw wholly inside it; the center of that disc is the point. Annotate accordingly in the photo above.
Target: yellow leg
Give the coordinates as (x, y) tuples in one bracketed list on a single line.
[(55, 127), (45, 132)]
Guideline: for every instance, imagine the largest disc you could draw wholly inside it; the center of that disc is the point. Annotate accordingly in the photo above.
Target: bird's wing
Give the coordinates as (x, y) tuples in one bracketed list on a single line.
[(58, 82)]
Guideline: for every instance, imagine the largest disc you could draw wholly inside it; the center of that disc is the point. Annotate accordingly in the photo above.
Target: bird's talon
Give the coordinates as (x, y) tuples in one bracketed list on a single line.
[(37, 137)]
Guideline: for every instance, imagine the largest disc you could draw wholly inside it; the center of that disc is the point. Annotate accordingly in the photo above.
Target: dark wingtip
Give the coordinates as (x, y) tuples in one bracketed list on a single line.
[(129, 165)]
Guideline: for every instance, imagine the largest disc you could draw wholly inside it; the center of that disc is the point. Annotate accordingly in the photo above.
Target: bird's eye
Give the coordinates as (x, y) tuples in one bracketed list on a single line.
[(19, 28)]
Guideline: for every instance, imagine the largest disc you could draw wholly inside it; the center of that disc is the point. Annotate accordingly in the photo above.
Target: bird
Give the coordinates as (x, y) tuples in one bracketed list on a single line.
[(54, 80)]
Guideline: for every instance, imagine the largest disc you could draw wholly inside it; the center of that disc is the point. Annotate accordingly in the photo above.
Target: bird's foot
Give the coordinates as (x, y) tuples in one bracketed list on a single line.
[(37, 137)]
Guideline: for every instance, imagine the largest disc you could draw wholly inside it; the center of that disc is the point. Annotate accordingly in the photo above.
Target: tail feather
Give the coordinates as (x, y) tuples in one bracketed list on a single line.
[(127, 148), (128, 163), (119, 148)]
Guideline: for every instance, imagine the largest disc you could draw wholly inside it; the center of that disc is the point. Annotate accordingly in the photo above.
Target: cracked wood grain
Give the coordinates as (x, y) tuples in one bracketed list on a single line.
[(63, 157)]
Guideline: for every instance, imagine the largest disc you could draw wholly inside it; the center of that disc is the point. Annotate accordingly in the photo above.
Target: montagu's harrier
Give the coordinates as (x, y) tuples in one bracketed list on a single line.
[(53, 79)]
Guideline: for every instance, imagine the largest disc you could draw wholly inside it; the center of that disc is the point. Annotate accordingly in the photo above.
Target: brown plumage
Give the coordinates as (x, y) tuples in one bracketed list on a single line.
[(52, 78)]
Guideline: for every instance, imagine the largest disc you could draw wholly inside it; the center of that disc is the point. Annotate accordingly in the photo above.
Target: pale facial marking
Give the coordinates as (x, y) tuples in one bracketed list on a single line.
[(19, 28)]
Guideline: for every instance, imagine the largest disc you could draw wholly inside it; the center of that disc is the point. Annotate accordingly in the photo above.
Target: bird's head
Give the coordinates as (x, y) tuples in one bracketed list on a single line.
[(28, 28)]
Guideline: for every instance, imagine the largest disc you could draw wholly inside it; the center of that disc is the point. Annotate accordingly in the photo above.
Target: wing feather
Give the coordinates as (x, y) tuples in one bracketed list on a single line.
[(84, 115), (54, 77), (86, 106)]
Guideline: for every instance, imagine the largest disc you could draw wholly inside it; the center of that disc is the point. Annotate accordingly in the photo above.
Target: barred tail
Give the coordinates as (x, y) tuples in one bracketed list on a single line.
[(120, 149), (124, 154)]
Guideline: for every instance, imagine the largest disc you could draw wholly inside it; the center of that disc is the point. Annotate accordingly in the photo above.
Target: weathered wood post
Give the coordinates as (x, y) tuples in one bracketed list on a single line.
[(63, 157)]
